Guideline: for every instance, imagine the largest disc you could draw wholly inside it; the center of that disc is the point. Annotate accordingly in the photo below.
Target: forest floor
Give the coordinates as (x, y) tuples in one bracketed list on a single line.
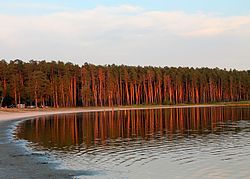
[(17, 162)]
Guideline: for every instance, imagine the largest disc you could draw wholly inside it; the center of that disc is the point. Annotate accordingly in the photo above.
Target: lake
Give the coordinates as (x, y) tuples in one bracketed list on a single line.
[(195, 142)]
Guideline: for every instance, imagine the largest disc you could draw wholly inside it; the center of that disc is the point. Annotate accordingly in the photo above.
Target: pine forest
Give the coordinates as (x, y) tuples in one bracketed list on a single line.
[(59, 84)]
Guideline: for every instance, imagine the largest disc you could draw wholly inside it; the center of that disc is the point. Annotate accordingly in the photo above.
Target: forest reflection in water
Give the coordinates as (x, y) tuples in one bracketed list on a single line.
[(133, 138), (58, 131)]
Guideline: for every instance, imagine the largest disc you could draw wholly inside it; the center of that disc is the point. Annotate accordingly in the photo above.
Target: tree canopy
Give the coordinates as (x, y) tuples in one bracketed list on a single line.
[(59, 84)]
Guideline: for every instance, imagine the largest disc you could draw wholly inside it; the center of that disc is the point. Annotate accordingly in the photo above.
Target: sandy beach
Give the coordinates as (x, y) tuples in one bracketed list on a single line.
[(17, 162)]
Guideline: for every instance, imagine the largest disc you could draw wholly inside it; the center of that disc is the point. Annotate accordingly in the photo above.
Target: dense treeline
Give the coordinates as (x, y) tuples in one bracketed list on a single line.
[(59, 84)]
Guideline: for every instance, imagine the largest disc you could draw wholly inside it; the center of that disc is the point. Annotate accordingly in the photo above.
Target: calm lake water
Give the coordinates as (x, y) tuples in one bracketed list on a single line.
[(205, 142)]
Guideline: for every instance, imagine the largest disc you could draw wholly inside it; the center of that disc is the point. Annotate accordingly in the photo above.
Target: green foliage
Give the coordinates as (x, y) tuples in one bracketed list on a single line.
[(61, 84)]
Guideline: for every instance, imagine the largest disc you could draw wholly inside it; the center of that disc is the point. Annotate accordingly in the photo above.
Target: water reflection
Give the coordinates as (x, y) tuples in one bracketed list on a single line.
[(153, 143), (60, 131)]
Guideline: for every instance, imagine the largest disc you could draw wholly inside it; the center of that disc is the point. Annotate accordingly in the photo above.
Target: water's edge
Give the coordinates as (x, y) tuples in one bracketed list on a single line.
[(19, 161)]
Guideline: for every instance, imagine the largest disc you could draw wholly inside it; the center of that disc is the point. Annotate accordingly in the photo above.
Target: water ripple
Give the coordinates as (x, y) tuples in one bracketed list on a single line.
[(215, 145)]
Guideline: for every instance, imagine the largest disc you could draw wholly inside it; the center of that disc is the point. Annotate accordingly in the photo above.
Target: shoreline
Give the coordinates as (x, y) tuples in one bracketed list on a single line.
[(15, 114), (17, 162)]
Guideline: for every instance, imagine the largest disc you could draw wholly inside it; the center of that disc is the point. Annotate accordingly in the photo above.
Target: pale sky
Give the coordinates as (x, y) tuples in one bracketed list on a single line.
[(198, 33)]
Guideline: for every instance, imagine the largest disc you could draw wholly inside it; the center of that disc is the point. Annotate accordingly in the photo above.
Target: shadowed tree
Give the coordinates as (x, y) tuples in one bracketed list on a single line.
[(39, 86), (3, 80)]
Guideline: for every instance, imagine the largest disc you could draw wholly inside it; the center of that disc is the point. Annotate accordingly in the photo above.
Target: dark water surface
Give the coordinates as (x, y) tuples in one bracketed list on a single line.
[(205, 142)]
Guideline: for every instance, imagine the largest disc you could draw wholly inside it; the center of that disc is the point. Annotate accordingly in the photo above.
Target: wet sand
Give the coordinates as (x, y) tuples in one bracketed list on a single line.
[(17, 162)]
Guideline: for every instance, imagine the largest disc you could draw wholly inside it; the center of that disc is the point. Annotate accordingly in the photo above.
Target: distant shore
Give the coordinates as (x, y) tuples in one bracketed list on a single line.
[(16, 162), (21, 113)]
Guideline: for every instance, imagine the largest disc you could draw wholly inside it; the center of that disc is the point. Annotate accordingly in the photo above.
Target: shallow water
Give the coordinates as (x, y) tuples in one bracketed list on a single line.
[(205, 142)]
